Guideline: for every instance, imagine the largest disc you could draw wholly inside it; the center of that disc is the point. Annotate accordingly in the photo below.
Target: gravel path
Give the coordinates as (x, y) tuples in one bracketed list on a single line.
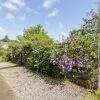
[(29, 86), (5, 91)]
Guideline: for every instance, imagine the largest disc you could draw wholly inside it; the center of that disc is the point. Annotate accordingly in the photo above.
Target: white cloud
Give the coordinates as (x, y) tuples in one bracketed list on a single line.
[(63, 33), (62, 36), (19, 3), (9, 5), (61, 25), (13, 4), (10, 17), (54, 13), (49, 3)]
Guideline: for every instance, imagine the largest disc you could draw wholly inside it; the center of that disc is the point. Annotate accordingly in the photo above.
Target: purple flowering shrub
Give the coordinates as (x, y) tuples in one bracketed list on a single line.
[(66, 62), (78, 57)]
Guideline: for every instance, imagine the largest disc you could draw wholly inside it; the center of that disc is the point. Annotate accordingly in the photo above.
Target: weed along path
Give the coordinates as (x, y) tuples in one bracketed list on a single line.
[(30, 86)]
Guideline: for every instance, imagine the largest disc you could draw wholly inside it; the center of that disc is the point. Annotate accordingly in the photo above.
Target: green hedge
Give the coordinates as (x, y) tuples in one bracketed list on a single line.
[(34, 50)]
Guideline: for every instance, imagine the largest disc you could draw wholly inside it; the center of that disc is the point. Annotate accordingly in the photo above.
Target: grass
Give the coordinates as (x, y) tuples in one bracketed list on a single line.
[(92, 95)]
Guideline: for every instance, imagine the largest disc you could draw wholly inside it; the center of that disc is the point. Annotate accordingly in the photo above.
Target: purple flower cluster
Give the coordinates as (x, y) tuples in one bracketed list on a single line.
[(79, 63), (67, 64)]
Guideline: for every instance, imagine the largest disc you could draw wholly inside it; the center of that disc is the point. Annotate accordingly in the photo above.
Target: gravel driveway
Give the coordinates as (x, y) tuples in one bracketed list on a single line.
[(30, 86), (5, 91)]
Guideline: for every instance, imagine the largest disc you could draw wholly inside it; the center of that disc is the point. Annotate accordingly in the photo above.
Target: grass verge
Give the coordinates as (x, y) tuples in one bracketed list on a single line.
[(92, 95)]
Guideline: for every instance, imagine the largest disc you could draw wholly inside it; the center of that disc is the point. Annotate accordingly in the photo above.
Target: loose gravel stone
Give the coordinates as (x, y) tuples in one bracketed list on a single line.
[(30, 86)]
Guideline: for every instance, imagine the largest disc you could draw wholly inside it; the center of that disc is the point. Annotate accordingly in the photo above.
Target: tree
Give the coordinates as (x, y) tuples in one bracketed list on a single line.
[(5, 39), (33, 30)]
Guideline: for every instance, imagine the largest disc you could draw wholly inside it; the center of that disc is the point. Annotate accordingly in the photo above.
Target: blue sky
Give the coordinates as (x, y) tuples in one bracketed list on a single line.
[(56, 16)]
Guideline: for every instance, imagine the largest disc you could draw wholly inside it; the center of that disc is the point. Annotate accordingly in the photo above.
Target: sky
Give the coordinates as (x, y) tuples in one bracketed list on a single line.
[(58, 17)]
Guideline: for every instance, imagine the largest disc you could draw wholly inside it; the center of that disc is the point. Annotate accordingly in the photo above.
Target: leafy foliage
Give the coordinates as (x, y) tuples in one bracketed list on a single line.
[(34, 50), (92, 96), (78, 54), (75, 58)]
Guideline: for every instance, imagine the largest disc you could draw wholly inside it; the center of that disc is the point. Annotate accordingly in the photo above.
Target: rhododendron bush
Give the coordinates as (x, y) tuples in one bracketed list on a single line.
[(77, 55)]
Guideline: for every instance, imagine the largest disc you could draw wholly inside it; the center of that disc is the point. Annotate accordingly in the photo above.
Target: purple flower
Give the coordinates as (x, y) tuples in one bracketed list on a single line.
[(73, 62), (79, 63), (62, 67), (69, 65), (69, 68), (54, 62)]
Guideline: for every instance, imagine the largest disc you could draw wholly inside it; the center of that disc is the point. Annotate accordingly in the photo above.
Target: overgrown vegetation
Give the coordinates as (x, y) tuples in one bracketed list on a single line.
[(33, 50), (75, 58), (92, 96)]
